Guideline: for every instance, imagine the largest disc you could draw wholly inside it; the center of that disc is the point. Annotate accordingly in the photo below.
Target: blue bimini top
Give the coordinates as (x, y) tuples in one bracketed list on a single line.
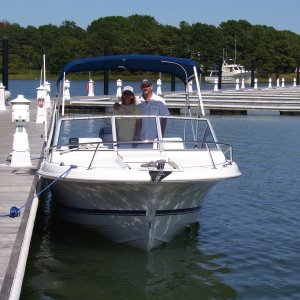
[(183, 68)]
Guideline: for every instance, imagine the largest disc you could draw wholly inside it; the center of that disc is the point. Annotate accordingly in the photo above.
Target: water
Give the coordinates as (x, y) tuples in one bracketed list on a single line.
[(247, 245)]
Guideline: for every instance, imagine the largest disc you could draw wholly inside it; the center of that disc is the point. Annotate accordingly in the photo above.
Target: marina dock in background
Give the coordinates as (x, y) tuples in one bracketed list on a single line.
[(17, 187), (285, 101)]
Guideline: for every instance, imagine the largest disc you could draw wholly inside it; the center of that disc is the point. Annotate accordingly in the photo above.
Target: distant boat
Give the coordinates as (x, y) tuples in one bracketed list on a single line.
[(231, 70)]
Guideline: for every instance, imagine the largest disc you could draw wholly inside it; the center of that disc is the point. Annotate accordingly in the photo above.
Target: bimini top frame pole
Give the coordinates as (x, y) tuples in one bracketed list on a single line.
[(199, 92)]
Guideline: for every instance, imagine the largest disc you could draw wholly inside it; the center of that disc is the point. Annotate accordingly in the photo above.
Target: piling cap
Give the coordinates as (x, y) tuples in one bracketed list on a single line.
[(20, 99)]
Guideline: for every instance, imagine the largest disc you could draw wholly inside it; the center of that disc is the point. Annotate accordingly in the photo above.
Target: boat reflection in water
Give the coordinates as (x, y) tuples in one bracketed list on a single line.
[(68, 261), (138, 192)]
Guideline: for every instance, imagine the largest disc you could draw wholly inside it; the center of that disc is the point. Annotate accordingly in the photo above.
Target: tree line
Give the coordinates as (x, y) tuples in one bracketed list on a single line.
[(142, 34)]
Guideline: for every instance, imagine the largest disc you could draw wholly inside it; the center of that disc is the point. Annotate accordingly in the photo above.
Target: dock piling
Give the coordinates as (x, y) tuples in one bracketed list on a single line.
[(270, 83), (255, 83), (237, 84), (40, 115), (158, 90), (243, 84), (216, 85), (119, 90), (2, 97), (91, 88)]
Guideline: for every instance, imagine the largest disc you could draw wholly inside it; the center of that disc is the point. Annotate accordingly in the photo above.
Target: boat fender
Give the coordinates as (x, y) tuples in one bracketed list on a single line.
[(41, 102), (87, 87)]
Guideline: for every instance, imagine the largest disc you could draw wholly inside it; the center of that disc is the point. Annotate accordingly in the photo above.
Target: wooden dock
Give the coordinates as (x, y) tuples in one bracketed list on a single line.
[(282, 100), (17, 186)]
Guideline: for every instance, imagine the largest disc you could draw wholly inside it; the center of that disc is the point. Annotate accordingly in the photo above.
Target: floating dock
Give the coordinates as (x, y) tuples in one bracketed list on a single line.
[(285, 101), (17, 186)]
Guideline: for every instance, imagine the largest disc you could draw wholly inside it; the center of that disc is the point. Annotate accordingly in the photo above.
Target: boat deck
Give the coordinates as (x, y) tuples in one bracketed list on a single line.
[(16, 187)]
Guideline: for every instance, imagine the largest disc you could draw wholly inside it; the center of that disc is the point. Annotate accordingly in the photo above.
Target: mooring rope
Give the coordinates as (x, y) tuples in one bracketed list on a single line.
[(15, 211)]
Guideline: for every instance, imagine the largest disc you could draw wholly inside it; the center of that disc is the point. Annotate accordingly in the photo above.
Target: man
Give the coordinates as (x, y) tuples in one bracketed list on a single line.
[(147, 90), (152, 105)]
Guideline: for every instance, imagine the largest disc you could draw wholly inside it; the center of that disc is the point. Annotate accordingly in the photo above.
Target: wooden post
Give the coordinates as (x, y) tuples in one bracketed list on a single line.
[(252, 71), (105, 79), (173, 83), (5, 62), (220, 73)]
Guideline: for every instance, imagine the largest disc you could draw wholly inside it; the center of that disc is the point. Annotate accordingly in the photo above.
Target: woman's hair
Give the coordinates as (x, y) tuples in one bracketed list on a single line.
[(125, 93)]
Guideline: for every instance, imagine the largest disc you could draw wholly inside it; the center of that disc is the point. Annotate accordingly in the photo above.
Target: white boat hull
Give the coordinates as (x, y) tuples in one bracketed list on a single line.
[(143, 216), (229, 79)]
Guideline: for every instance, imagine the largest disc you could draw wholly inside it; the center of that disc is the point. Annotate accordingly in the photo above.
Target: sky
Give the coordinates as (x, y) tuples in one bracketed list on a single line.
[(281, 15)]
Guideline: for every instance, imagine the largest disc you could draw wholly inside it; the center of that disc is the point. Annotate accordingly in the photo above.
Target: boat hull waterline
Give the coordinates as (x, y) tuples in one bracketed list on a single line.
[(143, 216)]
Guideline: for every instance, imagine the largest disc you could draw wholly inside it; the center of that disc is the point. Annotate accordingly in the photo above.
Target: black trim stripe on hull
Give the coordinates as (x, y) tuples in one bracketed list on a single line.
[(180, 211), (115, 212)]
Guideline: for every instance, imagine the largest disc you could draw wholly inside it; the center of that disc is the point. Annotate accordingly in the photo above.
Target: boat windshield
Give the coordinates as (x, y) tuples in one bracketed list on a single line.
[(137, 132)]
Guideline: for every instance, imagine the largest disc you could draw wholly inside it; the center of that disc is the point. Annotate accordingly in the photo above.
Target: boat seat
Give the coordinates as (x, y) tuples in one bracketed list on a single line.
[(172, 143), (105, 133), (91, 142)]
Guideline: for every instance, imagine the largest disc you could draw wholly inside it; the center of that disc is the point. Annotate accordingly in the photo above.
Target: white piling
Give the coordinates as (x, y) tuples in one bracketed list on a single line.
[(2, 97), (294, 82), (20, 153), (90, 88), (277, 82), (158, 90), (67, 86), (255, 83), (216, 85), (20, 116), (282, 82), (270, 83), (191, 87), (119, 90), (243, 84), (47, 95), (237, 84), (40, 96)]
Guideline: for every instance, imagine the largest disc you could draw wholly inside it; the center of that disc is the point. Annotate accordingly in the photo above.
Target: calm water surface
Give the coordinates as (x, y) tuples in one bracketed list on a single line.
[(247, 245)]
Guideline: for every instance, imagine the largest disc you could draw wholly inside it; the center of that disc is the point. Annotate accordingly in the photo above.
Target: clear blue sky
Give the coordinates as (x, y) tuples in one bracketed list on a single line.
[(282, 15)]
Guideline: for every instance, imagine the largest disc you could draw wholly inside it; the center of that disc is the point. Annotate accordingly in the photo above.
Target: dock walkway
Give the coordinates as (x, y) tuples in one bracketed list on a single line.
[(17, 185)]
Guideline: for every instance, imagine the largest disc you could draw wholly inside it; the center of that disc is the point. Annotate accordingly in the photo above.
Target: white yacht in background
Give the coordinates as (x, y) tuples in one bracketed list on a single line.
[(231, 71), (145, 194)]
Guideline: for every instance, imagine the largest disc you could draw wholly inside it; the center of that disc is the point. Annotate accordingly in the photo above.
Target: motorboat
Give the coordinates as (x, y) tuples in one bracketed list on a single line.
[(141, 193), (231, 71)]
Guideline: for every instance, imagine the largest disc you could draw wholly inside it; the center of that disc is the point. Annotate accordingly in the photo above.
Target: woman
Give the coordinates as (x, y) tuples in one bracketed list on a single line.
[(128, 129)]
